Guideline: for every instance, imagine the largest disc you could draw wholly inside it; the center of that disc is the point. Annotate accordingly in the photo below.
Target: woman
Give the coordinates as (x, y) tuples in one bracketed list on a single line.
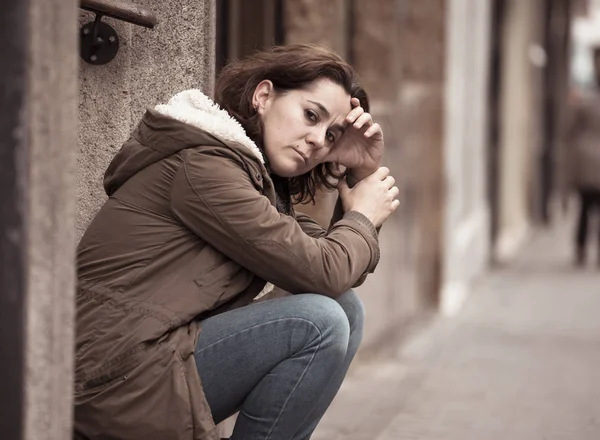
[(583, 163), (199, 218)]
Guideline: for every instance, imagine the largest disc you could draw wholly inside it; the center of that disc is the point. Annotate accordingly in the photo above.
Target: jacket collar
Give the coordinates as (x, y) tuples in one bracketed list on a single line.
[(195, 108)]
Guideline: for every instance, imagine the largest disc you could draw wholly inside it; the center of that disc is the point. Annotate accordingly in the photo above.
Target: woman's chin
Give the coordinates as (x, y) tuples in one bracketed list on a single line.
[(287, 169)]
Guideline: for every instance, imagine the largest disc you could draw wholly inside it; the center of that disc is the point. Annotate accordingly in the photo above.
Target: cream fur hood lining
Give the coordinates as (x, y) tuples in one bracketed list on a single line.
[(195, 108)]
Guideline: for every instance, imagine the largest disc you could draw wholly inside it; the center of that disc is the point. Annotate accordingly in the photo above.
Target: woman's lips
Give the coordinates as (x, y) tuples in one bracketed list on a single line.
[(302, 155)]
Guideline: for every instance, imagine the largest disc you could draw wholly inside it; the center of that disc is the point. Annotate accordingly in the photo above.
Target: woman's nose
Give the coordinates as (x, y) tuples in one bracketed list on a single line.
[(316, 138)]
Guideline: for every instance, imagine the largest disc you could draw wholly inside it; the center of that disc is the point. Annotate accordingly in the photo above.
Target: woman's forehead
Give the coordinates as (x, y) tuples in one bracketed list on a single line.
[(331, 98)]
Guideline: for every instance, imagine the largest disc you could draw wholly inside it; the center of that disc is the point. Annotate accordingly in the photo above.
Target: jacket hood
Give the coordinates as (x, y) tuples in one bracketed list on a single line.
[(189, 119)]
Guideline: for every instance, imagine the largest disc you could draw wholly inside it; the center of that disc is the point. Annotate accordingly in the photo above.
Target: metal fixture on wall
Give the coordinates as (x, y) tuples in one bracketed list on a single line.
[(99, 42)]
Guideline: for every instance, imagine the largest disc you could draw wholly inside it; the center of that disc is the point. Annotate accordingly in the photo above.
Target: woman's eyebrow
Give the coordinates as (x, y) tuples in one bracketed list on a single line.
[(321, 107), (339, 127)]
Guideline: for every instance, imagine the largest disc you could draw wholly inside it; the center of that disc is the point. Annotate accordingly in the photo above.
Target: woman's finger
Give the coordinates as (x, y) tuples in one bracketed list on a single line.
[(381, 173), (389, 182), (362, 120), (373, 129), (354, 114), (394, 192)]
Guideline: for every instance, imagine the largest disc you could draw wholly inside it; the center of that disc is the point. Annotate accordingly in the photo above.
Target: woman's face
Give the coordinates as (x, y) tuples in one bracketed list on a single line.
[(300, 126)]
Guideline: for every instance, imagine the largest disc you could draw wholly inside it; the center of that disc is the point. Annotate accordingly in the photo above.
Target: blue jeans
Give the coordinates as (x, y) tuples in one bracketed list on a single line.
[(279, 362)]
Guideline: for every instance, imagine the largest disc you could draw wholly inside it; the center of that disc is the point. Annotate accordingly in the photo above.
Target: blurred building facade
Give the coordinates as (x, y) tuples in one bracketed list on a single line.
[(471, 95)]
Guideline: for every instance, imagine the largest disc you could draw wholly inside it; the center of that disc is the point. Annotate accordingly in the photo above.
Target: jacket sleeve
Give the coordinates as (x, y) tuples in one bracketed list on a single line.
[(214, 195), (314, 229), (310, 226)]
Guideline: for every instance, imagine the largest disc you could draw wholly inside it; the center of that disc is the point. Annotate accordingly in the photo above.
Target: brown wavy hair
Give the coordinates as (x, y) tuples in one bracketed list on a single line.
[(290, 67)]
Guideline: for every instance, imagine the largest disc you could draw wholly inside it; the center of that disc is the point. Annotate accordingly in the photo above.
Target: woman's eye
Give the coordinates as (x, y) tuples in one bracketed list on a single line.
[(311, 116), (330, 137)]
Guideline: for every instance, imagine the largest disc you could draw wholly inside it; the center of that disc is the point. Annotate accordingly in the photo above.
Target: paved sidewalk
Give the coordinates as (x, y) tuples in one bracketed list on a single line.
[(521, 361)]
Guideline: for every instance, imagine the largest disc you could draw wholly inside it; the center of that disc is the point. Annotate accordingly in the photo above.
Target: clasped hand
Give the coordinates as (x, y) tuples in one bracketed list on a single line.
[(360, 148)]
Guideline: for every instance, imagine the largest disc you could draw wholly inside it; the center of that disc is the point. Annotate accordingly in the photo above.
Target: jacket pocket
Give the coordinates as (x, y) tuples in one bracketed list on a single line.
[(115, 373), (217, 279), (220, 281), (152, 403)]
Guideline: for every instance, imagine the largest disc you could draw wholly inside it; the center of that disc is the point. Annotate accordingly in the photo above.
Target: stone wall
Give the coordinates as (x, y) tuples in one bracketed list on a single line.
[(398, 50), (392, 295), (150, 67), (323, 22)]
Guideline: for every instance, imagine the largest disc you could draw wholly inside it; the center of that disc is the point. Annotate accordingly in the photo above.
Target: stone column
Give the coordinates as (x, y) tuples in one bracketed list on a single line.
[(13, 215), (520, 109), (467, 213), (37, 227), (51, 198), (422, 37)]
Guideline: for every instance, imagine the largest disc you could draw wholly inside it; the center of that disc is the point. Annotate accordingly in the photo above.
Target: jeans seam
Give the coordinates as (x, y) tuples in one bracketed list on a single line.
[(326, 386), (259, 325), (297, 383), (303, 372)]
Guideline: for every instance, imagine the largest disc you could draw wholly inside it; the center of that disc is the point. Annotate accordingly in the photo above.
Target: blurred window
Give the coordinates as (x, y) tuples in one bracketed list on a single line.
[(244, 27)]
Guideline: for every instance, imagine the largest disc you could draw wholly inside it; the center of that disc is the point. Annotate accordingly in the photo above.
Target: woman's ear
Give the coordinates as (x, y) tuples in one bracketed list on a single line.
[(262, 94)]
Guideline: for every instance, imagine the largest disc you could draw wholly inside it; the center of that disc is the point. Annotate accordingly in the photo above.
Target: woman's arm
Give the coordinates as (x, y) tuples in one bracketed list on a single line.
[(214, 195), (315, 230), (310, 226)]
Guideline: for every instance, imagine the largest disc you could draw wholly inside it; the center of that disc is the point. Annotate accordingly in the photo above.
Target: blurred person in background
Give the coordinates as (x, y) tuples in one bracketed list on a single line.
[(583, 158)]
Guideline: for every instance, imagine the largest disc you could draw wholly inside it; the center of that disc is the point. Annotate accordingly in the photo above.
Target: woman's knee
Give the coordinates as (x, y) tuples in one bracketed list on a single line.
[(354, 309), (328, 317)]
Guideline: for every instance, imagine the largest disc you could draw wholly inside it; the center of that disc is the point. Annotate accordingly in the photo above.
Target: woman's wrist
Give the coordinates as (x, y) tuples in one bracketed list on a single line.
[(355, 175)]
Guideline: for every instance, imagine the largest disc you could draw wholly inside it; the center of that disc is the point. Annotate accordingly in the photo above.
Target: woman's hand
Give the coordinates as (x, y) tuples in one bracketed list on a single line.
[(374, 196), (360, 148)]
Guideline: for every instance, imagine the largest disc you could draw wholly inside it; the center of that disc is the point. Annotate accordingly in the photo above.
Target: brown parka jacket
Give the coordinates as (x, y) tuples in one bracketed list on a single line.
[(190, 229)]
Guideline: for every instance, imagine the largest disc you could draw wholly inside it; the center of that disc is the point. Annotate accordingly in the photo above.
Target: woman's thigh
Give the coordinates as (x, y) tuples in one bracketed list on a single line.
[(237, 349)]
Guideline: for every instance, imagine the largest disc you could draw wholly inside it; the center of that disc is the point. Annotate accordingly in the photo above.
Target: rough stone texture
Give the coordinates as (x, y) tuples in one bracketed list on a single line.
[(519, 361), (150, 67), (52, 117)]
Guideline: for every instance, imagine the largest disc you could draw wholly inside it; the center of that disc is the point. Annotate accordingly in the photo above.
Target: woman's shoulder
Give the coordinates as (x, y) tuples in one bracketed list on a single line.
[(221, 165), (221, 157)]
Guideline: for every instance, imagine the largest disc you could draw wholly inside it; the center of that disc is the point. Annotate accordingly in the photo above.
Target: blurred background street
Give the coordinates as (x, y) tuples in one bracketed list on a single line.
[(519, 361)]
